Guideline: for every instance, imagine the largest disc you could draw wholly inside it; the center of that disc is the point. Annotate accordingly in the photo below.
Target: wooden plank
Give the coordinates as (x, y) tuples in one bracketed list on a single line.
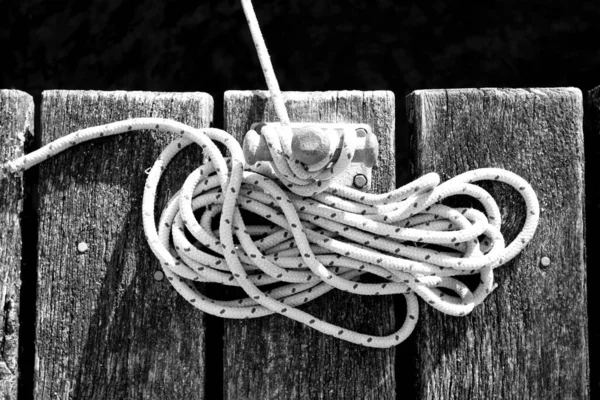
[(528, 340), (106, 329), (16, 125), (592, 213), (276, 358)]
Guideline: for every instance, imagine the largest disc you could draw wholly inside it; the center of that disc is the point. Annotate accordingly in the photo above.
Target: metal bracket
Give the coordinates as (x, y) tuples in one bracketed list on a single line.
[(312, 140)]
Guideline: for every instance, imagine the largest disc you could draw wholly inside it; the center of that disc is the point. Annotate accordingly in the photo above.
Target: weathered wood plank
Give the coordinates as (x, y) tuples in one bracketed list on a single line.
[(276, 358), (529, 339), (16, 124), (106, 329), (592, 214)]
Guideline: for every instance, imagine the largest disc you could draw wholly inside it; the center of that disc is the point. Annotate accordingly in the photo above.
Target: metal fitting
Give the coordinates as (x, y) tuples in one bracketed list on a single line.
[(360, 181)]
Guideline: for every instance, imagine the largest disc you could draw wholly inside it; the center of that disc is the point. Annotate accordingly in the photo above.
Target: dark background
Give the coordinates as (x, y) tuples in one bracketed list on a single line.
[(400, 46)]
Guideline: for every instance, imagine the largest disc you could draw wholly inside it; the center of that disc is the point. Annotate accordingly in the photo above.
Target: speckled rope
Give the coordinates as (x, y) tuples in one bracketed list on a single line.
[(314, 244), (317, 235)]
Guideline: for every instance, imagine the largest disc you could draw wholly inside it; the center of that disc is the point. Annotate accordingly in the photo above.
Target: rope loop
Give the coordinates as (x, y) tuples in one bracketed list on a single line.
[(309, 245)]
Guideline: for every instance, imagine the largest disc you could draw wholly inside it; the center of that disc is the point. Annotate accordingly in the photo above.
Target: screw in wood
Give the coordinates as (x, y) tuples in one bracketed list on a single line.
[(545, 261), (159, 275), (82, 247)]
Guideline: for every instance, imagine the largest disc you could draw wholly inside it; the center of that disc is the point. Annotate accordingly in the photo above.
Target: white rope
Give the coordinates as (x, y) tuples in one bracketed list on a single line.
[(265, 63), (318, 235), (318, 243)]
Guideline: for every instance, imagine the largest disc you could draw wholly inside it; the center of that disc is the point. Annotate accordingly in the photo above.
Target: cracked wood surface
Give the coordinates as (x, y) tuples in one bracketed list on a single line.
[(106, 329), (16, 125), (277, 358), (528, 340)]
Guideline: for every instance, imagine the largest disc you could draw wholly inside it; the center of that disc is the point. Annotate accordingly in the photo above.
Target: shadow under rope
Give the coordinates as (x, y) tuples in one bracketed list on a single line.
[(141, 327)]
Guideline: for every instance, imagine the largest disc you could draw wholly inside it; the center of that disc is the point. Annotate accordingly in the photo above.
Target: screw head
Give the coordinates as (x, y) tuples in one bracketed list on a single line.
[(545, 261), (82, 247), (360, 181)]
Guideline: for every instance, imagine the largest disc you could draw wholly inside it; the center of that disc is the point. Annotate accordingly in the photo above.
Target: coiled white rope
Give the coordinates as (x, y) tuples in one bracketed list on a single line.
[(415, 244), (318, 243)]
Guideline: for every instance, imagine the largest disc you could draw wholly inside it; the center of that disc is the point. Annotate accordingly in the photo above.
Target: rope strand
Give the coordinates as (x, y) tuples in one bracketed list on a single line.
[(265, 63), (311, 245)]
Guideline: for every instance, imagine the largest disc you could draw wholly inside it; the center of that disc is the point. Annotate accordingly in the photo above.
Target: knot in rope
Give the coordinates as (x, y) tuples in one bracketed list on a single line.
[(308, 179), (415, 245)]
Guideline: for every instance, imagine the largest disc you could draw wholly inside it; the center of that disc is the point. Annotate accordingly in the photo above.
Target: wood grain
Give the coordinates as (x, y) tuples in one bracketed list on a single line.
[(106, 329), (529, 339), (276, 358), (16, 125)]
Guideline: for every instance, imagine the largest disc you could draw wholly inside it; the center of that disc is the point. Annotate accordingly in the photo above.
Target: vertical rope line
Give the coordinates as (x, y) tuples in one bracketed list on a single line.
[(265, 63)]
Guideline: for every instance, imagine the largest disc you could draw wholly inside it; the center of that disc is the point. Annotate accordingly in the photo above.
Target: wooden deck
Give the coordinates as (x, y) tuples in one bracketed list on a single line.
[(98, 325)]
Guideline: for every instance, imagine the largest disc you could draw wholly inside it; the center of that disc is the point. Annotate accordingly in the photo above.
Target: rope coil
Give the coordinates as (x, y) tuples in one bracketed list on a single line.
[(314, 244), (318, 235)]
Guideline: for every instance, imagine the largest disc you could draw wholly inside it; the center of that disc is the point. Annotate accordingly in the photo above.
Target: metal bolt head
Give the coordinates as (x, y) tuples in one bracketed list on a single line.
[(360, 181), (310, 144)]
